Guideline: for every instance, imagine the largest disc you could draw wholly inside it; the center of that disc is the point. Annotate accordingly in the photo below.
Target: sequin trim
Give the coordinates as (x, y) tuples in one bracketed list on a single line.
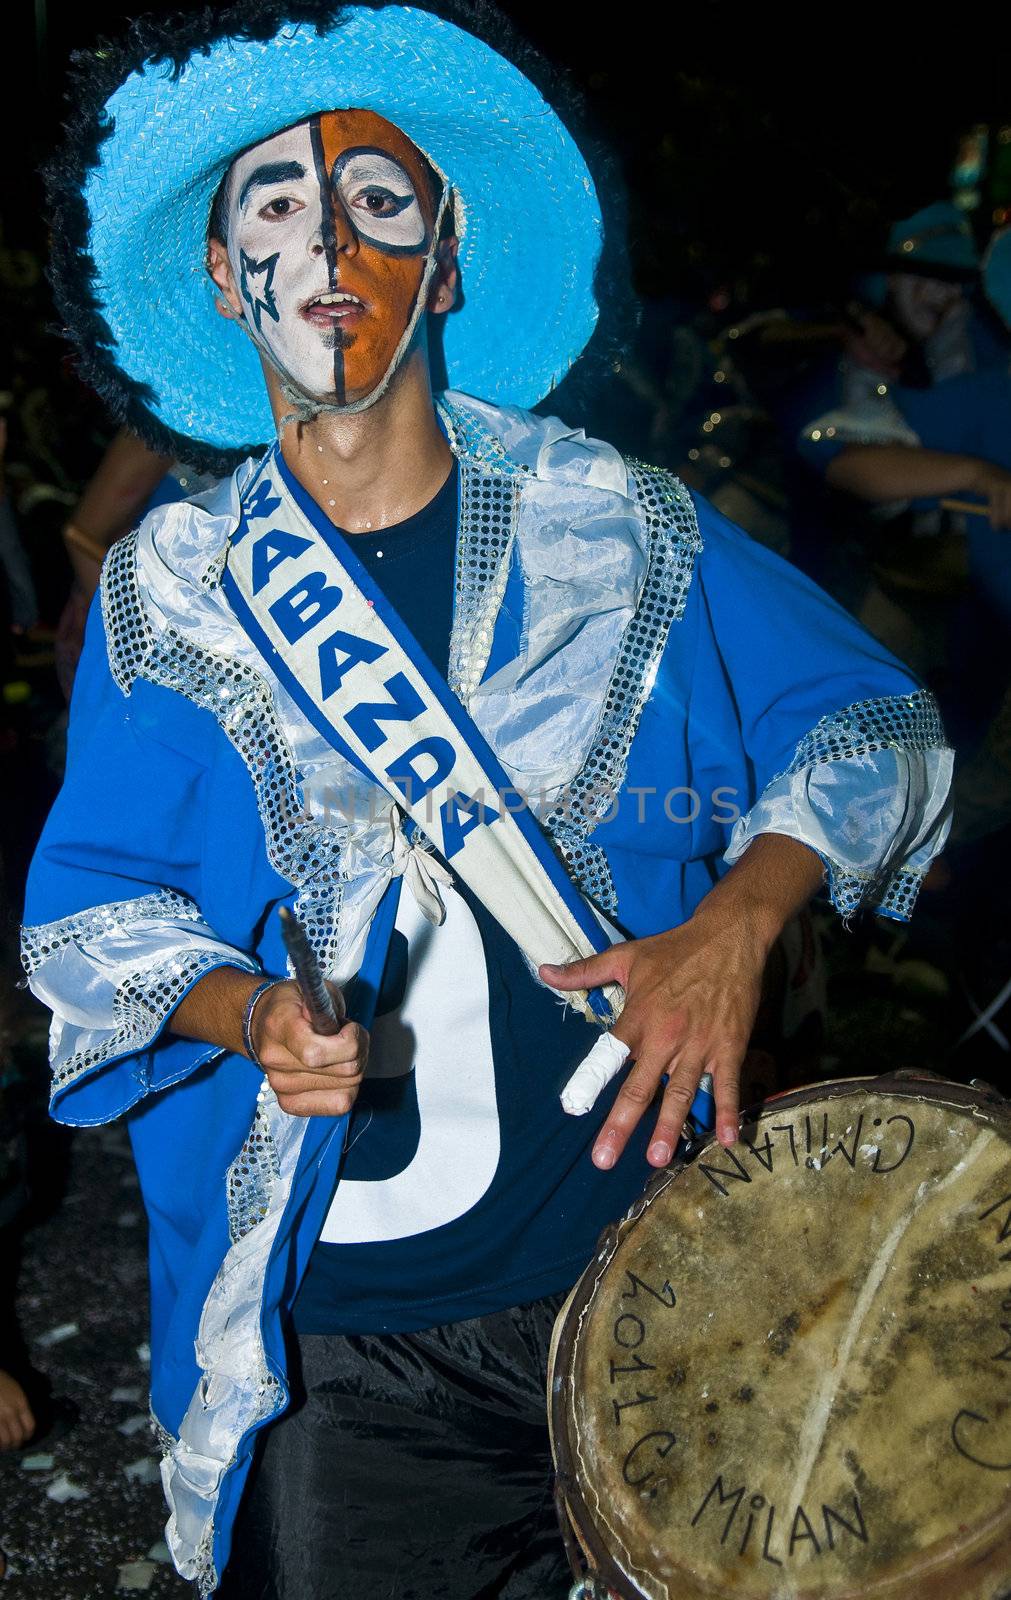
[(304, 852), (893, 722), (469, 437), (143, 1001), (129, 635), (204, 1573), (251, 1178), (673, 542), (43, 940), (163, 1439), (270, 1396), (896, 897), (488, 511), (140, 1007)]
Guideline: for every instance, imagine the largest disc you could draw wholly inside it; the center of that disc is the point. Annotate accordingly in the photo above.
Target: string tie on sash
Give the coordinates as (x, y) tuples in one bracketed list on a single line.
[(423, 873)]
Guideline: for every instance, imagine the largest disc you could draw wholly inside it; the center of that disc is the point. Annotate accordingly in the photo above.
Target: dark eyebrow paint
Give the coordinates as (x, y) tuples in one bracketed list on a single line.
[(271, 172)]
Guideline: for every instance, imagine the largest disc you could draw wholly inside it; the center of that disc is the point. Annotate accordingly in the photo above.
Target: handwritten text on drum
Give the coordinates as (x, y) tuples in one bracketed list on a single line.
[(802, 1528), (629, 1333), (628, 1367), (808, 1142), (971, 1432)]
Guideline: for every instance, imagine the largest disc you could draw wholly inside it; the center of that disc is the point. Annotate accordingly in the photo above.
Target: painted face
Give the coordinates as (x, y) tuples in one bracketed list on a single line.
[(330, 232)]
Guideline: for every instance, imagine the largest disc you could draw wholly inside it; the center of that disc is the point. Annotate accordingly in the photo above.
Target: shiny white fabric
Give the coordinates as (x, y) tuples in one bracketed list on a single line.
[(112, 976), (867, 816), (583, 561), (866, 413), (236, 1391), (540, 713), (180, 553)]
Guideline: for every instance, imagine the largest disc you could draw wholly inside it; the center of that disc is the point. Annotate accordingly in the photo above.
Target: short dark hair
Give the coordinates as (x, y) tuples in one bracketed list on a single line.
[(217, 222)]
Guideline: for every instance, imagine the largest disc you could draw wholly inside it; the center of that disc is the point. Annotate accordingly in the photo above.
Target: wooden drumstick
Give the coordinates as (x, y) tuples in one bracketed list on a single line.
[(309, 976), (971, 508)]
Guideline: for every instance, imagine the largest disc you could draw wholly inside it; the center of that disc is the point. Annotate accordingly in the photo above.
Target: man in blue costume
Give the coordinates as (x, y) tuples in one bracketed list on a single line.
[(609, 745), (920, 413)]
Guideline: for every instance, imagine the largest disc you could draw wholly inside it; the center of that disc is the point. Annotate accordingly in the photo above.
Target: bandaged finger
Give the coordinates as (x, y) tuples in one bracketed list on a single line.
[(594, 1073)]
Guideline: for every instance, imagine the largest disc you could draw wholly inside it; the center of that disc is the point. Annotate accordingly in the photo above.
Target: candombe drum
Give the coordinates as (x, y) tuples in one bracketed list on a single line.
[(787, 1373)]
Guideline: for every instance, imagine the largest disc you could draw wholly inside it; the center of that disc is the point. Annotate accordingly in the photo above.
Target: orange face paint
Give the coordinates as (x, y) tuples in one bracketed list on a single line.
[(331, 234), (382, 233)]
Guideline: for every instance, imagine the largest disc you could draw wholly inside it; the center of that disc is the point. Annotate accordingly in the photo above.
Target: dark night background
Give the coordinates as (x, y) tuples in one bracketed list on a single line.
[(765, 144)]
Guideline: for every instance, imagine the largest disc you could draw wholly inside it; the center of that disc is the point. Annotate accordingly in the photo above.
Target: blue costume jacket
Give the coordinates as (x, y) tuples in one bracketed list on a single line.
[(669, 687)]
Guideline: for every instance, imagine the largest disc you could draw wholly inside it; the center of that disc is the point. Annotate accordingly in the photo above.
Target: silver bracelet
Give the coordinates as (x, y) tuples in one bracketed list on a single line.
[(247, 1017)]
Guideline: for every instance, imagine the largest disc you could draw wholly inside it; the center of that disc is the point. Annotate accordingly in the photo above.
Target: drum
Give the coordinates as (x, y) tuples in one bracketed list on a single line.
[(787, 1372)]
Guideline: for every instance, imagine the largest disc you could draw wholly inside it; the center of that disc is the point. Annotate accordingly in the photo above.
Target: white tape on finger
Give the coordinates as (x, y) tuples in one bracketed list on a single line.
[(594, 1073)]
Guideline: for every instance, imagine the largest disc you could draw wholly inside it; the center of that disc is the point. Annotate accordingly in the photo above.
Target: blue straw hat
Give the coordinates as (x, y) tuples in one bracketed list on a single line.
[(132, 210), (936, 242), (997, 274)]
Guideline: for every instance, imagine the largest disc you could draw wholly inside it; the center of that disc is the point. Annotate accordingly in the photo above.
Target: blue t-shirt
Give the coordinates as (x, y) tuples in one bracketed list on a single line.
[(465, 1187)]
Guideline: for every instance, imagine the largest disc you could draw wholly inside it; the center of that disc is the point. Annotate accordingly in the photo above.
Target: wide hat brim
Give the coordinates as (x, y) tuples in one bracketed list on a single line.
[(997, 274), (528, 213), (935, 242)]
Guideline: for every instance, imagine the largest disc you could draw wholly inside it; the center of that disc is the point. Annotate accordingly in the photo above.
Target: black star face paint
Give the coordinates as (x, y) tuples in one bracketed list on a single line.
[(331, 239)]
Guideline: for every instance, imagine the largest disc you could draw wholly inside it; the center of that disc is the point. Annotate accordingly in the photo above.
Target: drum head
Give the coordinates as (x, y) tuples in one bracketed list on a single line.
[(788, 1371)]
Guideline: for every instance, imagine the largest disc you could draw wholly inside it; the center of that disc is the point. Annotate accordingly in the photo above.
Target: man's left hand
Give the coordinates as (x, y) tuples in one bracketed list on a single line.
[(691, 995), (691, 999)]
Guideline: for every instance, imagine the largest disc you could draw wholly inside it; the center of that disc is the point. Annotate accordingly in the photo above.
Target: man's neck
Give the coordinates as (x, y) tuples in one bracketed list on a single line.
[(373, 468)]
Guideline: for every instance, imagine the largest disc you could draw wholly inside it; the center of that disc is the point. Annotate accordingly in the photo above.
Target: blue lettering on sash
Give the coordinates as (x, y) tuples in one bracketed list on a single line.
[(263, 501), (460, 815), (364, 719), (338, 654), (404, 770), (308, 602), (271, 549), (257, 508)]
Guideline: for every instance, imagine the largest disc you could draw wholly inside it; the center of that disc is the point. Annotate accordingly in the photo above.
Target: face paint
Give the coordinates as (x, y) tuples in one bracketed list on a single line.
[(331, 241)]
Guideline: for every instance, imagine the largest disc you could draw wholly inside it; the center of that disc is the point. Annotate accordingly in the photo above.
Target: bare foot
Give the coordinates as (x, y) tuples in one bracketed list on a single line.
[(16, 1421)]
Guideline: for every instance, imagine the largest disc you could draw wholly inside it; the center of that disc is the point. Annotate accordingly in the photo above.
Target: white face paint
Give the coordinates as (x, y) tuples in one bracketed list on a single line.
[(276, 253), (379, 194), (329, 239)]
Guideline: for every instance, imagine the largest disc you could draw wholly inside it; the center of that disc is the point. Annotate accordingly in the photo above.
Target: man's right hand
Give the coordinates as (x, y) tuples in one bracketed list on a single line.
[(994, 483), (871, 341), (312, 1074)]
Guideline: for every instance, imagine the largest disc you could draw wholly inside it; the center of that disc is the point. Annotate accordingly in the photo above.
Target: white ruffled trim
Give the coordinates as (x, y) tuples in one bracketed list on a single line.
[(238, 1390), (113, 974), (877, 820)]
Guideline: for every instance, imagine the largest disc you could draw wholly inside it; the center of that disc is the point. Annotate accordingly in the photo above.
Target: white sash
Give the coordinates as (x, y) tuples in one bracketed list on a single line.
[(342, 653)]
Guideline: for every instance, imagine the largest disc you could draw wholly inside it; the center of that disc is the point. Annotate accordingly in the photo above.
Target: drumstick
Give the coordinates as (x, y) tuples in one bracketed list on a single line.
[(703, 1107), (971, 508), (309, 976)]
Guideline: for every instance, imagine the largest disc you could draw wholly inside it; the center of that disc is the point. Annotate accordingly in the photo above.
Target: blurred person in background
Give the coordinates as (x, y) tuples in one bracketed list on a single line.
[(131, 479), (916, 412), (19, 606)]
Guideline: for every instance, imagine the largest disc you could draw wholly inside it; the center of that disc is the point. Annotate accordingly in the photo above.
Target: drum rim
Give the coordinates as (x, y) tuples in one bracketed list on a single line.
[(904, 1083)]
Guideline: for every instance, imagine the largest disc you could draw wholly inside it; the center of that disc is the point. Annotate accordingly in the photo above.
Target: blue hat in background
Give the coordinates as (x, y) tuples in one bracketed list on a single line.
[(132, 203), (997, 274), (937, 242)]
